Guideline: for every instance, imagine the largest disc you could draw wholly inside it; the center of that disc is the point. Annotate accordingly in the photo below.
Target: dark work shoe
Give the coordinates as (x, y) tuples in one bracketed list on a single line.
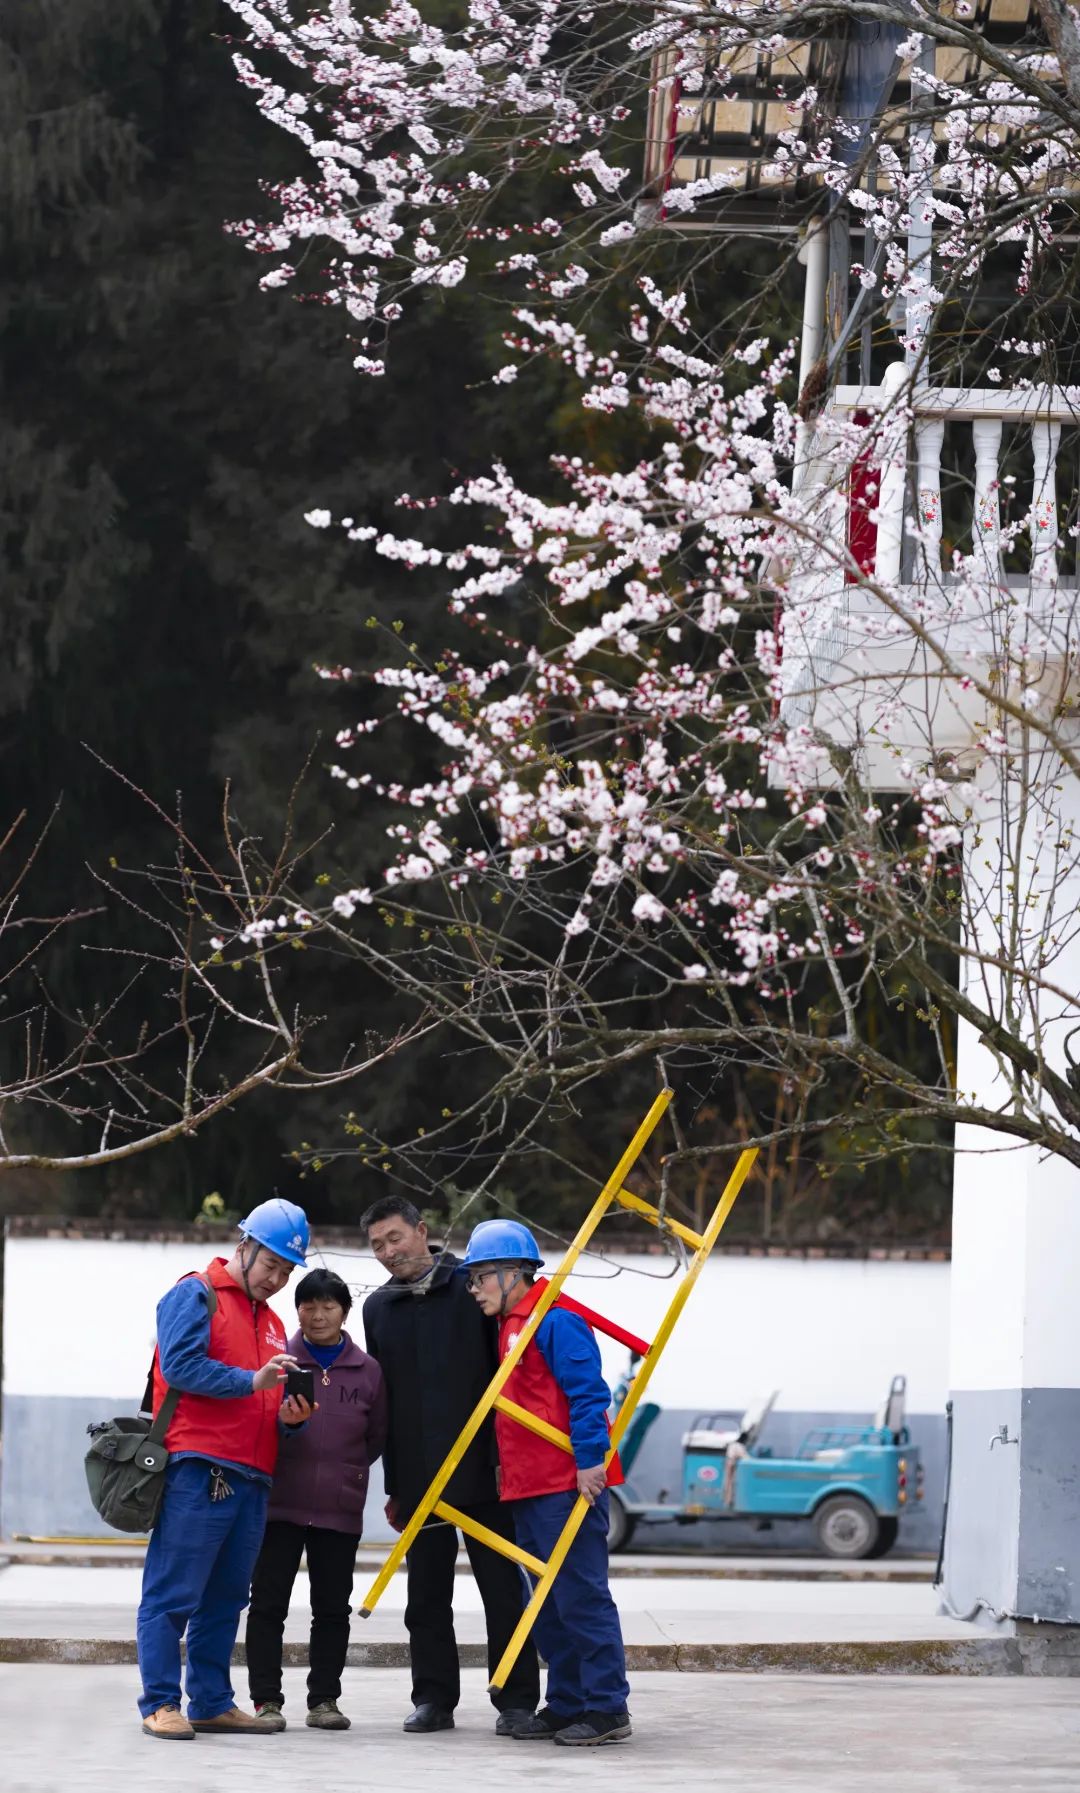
[(428, 1718), (543, 1726), (596, 1728), (327, 1716), (510, 1722)]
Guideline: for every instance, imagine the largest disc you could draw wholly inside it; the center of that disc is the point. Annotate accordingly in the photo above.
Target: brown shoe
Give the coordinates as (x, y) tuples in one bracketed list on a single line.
[(167, 1721), (234, 1723)]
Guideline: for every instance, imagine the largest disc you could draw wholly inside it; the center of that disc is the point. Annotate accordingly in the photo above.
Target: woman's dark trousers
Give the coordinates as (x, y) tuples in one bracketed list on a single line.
[(331, 1559)]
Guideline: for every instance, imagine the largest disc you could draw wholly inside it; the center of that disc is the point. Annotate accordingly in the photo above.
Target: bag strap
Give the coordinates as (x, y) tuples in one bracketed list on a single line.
[(168, 1407), (156, 1434)]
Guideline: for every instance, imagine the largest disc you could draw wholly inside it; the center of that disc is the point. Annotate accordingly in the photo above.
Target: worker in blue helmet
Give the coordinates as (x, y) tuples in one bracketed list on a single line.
[(222, 1349), (558, 1380), (513, 1254), (281, 1228)]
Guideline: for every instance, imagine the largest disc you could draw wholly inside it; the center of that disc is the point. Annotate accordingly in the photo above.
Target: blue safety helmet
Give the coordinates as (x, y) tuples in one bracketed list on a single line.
[(502, 1242), (281, 1226)]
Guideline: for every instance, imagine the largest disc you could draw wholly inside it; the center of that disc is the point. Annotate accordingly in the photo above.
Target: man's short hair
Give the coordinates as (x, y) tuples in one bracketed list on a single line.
[(323, 1285), (391, 1207)]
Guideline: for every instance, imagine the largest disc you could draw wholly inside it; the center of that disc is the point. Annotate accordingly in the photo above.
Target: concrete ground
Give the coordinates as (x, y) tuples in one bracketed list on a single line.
[(75, 1730)]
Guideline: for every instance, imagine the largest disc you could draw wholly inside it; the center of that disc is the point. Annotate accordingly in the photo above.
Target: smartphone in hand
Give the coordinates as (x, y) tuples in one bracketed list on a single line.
[(300, 1382)]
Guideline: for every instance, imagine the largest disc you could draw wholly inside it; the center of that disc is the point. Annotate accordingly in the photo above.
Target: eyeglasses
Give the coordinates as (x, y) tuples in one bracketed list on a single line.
[(476, 1277)]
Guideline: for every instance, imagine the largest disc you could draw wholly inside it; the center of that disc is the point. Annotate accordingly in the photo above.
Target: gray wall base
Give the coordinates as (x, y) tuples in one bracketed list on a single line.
[(1048, 1585), (1013, 1546), (43, 1492), (659, 1468), (43, 1485)]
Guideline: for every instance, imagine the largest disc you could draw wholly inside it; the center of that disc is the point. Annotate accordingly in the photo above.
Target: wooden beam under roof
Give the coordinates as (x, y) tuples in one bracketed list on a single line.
[(731, 128)]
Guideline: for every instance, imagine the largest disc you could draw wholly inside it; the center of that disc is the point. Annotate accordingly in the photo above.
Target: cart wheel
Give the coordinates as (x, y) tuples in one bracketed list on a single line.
[(846, 1526), (620, 1525), (887, 1535)]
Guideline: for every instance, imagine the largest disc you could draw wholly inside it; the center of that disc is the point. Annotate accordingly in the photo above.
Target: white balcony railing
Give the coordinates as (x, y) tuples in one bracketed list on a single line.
[(1041, 410), (868, 671)]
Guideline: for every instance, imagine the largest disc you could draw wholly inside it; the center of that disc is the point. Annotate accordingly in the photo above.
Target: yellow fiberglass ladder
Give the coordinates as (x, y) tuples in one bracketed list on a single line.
[(434, 1506)]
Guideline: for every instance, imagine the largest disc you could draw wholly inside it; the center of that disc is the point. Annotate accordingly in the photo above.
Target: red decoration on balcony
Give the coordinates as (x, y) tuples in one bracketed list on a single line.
[(862, 499)]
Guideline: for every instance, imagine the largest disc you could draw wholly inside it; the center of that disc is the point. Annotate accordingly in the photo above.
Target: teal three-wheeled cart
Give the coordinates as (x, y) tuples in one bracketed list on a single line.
[(851, 1482)]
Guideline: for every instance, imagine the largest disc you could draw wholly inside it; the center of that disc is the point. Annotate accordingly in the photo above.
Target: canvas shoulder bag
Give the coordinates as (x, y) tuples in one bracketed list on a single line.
[(127, 1457)]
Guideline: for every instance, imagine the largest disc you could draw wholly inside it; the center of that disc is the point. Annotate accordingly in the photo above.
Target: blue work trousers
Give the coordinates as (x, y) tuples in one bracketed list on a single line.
[(197, 1579), (578, 1632)]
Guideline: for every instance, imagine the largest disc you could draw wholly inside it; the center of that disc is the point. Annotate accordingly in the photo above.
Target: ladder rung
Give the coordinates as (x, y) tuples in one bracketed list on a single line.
[(492, 1539), (652, 1215), (539, 1426)]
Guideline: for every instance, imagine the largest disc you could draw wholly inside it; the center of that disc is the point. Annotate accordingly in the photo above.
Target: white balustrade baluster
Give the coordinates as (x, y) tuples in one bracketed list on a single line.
[(1043, 522), (823, 495), (929, 436), (986, 522)]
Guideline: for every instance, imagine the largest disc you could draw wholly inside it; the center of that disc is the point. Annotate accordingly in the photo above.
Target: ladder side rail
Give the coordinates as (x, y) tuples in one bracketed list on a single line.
[(540, 1592), (743, 1166)]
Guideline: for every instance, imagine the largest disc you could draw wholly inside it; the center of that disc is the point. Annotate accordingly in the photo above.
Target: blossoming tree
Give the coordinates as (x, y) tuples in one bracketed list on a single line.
[(739, 733)]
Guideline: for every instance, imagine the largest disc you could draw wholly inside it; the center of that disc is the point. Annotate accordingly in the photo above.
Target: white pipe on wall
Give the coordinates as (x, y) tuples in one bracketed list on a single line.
[(814, 257), (920, 243)]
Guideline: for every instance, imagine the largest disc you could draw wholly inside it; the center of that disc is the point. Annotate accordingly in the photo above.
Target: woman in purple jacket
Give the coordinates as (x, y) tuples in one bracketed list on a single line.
[(317, 1506)]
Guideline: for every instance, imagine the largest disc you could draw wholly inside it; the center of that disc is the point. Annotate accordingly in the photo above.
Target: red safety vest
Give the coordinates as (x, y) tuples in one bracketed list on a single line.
[(529, 1464), (245, 1430)]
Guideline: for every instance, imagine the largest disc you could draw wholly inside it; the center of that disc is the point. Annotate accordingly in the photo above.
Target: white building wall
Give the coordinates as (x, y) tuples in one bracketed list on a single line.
[(829, 1333)]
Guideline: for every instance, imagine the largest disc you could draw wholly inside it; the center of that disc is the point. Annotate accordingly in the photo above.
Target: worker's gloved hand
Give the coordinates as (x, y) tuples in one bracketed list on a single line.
[(592, 1482)]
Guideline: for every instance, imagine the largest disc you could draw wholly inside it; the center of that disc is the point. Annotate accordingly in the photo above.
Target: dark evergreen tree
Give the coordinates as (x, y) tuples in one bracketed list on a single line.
[(164, 425)]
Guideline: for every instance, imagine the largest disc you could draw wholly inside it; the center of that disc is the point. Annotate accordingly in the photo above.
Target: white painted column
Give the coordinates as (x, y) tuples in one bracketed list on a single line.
[(929, 436), (919, 310), (814, 257), (1013, 1544)]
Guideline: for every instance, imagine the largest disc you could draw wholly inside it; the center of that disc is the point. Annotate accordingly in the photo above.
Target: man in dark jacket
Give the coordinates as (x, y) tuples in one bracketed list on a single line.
[(437, 1354)]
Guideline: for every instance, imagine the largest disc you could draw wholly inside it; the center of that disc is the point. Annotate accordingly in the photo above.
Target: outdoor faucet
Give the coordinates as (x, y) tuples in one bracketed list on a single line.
[(1001, 1436)]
